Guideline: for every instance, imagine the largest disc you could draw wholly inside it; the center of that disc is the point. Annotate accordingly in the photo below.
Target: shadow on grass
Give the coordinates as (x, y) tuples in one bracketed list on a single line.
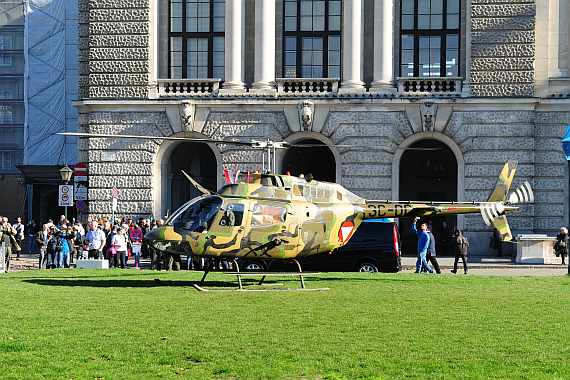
[(127, 283)]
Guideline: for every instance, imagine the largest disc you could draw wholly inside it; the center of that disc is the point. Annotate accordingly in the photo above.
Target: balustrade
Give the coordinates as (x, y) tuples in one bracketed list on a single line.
[(448, 85), (181, 87)]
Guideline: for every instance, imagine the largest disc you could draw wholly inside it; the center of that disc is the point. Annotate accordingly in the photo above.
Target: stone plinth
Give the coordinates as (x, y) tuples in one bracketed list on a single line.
[(93, 263), (535, 249)]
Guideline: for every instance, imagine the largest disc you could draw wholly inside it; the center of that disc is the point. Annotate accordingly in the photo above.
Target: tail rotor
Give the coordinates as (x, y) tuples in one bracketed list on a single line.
[(523, 194)]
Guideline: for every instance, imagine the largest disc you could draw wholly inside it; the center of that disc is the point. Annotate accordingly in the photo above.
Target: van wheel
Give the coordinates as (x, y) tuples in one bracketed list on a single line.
[(252, 265), (366, 268)]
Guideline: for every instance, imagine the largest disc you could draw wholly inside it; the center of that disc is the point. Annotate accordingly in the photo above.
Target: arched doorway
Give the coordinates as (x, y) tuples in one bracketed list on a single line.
[(318, 161), (199, 162), (428, 175)]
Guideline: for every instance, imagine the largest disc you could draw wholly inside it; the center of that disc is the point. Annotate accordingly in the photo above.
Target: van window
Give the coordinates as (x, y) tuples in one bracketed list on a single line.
[(369, 232)]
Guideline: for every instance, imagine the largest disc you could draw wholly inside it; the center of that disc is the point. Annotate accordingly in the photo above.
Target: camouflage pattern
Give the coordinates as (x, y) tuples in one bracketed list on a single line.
[(280, 217)]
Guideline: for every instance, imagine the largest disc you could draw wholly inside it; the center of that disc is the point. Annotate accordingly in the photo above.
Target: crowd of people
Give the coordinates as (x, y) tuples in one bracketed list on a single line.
[(58, 245)]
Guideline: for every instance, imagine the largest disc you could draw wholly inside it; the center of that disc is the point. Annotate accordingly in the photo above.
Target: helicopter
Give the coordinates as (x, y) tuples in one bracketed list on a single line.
[(280, 217)]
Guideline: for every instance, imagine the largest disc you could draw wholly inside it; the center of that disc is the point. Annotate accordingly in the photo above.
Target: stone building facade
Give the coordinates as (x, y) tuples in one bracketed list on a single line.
[(508, 100)]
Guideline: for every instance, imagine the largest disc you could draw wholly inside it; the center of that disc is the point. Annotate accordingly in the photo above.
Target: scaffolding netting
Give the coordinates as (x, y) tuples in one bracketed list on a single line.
[(51, 70)]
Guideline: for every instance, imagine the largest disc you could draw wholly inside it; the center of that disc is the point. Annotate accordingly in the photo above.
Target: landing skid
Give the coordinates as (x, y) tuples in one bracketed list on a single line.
[(264, 274)]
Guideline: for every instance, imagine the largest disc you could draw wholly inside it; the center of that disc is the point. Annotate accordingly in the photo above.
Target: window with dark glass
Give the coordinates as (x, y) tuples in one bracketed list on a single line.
[(429, 44), (311, 46), (196, 39)]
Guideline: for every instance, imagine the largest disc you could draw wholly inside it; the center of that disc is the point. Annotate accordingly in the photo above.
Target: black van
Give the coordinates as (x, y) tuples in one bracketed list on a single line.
[(375, 247)]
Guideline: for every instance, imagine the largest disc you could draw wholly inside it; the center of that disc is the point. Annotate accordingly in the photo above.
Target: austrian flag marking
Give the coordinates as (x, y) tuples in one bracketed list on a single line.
[(345, 232)]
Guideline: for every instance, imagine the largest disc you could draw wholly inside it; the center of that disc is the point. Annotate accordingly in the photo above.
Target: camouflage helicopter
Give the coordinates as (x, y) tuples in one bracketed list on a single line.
[(286, 217)]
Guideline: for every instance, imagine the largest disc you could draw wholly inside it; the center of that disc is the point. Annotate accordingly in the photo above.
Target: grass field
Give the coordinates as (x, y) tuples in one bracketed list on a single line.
[(96, 324)]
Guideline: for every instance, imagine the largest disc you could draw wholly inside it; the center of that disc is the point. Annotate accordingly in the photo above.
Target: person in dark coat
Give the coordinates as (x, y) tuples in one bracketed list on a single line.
[(430, 256), (52, 241), (461, 243), (561, 245), (444, 238), (41, 243)]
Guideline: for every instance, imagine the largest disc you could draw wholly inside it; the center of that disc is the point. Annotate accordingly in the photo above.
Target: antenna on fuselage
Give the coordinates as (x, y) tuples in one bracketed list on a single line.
[(202, 189)]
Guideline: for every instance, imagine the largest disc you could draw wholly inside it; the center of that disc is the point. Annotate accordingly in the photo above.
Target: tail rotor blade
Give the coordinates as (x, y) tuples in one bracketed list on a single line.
[(523, 194)]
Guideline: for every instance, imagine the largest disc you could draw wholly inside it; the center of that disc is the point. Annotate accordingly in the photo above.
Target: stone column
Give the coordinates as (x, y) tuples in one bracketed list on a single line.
[(352, 47), (383, 47), (264, 76), (233, 45)]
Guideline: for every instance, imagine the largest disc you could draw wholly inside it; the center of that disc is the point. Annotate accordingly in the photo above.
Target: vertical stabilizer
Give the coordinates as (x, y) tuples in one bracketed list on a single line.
[(503, 183)]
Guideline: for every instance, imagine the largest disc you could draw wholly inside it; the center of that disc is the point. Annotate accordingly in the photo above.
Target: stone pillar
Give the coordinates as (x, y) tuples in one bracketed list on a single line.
[(352, 47), (383, 47), (233, 44), (264, 76)]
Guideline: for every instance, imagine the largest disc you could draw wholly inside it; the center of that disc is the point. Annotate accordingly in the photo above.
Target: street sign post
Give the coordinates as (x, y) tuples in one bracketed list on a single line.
[(136, 235), (2, 258), (80, 169), (65, 195), (114, 204), (80, 205), (80, 188)]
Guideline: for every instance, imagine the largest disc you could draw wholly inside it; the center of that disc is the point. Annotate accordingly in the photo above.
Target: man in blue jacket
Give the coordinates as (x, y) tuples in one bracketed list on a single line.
[(423, 244)]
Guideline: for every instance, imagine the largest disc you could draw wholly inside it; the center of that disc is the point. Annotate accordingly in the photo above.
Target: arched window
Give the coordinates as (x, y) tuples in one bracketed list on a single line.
[(311, 38), (429, 44), (196, 39)]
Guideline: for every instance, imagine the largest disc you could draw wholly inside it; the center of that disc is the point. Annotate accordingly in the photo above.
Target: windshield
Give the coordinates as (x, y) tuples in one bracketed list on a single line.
[(196, 215)]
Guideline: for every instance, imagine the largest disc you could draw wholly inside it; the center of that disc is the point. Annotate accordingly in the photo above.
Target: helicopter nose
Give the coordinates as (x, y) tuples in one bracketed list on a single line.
[(152, 237)]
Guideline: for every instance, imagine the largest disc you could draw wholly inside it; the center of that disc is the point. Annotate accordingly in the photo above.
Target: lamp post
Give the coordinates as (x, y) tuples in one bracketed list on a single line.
[(65, 173), (566, 148)]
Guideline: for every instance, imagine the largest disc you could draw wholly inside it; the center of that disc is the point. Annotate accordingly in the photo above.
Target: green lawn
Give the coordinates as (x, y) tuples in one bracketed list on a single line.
[(120, 324)]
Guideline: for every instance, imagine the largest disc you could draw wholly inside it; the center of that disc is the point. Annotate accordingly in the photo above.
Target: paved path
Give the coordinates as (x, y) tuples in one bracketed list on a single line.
[(484, 265), (500, 266)]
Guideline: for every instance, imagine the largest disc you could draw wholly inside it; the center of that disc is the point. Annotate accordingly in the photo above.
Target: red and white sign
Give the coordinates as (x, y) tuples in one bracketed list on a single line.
[(80, 205), (65, 196), (136, 235), (80, 169), (115, 192), (345, 232)]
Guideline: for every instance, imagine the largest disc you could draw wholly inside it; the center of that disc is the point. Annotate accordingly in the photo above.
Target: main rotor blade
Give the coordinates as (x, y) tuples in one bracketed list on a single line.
[(187, 139), (253, 144), (293, 145)]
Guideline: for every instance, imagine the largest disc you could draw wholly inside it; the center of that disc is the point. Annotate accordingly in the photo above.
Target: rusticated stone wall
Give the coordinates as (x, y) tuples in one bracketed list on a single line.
[(114, 49), (502, 48), (488, 139), (132, 172), (549, 163), (367, 173)]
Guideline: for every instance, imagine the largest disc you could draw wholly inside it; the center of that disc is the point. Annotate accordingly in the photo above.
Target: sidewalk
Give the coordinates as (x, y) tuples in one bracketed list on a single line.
[(477, 263), (483, 262), (28, 261)]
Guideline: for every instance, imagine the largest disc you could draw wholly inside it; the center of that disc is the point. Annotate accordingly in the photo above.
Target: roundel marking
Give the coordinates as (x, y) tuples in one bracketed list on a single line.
[(345, 232)]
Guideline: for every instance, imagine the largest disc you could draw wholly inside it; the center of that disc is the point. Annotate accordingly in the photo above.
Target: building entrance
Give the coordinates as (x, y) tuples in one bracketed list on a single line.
[(199, 162), (320, 162), (428, 175)]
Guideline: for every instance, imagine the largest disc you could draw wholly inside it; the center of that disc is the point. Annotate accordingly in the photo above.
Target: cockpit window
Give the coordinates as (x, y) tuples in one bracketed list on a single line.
[(197, 215), (233, 215)]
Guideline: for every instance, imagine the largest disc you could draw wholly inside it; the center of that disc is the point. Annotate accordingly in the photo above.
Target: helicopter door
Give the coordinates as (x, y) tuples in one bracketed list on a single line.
[(271, 221), (228, 230)]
